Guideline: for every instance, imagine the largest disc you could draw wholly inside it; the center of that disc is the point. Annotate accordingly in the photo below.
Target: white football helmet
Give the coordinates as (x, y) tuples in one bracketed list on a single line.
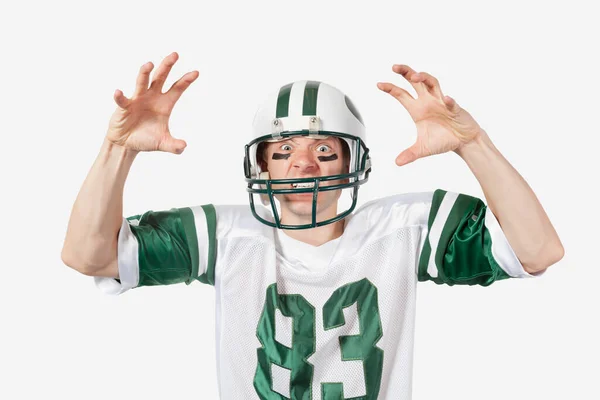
[(313, 109)]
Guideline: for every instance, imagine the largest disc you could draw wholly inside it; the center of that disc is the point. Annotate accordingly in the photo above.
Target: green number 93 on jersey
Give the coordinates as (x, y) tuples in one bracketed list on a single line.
[(361, 347)]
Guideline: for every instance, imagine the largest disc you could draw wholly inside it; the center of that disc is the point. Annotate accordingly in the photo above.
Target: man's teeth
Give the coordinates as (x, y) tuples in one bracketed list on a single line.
[(303, 185)]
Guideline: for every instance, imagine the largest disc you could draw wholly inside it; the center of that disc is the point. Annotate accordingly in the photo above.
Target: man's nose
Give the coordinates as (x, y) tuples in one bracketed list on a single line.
[(304, 160)]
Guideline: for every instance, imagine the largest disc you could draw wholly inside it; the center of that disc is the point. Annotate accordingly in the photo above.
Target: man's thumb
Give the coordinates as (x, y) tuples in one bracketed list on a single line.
[(407, 156), (175, 146)]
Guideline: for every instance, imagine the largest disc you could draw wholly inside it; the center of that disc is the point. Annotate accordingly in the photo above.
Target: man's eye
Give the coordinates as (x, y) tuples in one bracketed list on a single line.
[(323, 148), (286, 147)]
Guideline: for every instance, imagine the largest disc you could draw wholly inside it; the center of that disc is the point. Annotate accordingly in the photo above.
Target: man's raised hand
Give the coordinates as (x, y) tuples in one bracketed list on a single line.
[(442, 125), (141, 123)]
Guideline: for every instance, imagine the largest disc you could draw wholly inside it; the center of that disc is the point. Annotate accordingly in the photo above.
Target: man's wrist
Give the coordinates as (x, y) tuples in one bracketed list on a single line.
[(480, 146)]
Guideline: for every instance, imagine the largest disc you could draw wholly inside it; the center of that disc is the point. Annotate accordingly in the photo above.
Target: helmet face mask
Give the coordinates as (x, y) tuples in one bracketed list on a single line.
[(330, 108)]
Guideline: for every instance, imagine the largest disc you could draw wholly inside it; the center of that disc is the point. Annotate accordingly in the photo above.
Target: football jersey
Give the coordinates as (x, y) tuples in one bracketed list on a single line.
[(336, 321)]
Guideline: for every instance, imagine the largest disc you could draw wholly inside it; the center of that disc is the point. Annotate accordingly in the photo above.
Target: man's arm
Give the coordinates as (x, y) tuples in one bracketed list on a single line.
[(90, 245), (443, 126), (521, 216), (140, 123)]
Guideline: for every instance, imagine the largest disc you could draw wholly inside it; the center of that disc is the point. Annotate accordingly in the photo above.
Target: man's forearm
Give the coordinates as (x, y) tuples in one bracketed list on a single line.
[(97, 213), (515, 205)]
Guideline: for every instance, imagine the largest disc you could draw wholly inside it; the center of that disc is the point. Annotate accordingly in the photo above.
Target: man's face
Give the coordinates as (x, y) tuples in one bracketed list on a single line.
[(302, 157)]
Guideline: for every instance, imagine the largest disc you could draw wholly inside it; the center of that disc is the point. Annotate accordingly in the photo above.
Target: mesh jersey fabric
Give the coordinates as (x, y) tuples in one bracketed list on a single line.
[(335, 321)]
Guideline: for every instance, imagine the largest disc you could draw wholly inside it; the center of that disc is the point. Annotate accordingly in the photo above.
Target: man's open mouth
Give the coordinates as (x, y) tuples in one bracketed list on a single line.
[(303, 185)]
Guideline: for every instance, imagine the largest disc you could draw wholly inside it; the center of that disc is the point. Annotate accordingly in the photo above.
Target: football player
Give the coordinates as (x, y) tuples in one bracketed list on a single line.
[(322, 296)]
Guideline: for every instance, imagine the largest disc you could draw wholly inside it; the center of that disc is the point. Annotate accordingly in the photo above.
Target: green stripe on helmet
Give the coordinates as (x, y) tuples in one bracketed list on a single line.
[(283, 101), (311, 90)]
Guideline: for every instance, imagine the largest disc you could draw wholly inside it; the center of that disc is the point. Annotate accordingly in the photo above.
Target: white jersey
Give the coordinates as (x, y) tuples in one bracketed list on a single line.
[(335, 321)]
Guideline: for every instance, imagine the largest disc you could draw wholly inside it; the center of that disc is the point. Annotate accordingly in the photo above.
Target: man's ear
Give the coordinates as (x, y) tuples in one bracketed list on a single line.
[(261, 154), (345, 155), (345, 171), (263, 165)]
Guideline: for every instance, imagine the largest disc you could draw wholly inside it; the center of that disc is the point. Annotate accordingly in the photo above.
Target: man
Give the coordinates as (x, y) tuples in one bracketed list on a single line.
[(313, 302)]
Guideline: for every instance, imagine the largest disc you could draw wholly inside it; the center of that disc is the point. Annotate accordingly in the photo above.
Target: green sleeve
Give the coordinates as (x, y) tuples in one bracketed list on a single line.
[(458, 246), (168, 245)]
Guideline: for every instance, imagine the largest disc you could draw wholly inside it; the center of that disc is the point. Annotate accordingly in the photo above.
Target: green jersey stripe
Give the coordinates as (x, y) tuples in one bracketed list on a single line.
[(311, 92), (211, 222), (460, 244), (166, 243), (283, 101), (189, 227), (458, 206)]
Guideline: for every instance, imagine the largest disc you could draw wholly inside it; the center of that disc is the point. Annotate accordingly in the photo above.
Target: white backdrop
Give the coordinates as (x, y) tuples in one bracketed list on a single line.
[(526, 71)]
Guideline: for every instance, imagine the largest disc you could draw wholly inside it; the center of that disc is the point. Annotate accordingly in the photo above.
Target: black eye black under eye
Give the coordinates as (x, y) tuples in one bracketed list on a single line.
[(332, 157), (280, 156)]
